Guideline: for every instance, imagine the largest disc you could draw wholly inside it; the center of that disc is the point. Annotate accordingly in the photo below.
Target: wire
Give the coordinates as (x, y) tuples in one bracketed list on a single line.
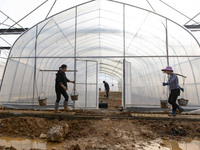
[(26, 15), (151, 6), (51, 8), (178, 11)]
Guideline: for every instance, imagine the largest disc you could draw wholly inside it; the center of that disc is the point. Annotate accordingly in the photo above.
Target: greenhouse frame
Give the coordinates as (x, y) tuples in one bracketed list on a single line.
[(128, 43)]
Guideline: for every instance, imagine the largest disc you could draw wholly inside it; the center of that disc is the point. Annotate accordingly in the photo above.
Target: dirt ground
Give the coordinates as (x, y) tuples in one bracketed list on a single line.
[(102, 134), (113, 101)]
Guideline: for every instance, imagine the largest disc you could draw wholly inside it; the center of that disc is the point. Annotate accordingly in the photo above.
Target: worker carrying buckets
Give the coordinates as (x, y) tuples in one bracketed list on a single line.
[(61, 87), (174, 88)]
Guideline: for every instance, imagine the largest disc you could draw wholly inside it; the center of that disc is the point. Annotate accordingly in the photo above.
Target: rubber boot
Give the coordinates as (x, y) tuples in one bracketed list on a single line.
[(180, 110), (173, 113), (65, 105), (56, 107)]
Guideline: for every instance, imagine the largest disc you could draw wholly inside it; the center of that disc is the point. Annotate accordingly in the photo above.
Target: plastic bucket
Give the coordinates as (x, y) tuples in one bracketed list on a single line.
[(42, 102), (163, 103), (74, 97), (183, 102)]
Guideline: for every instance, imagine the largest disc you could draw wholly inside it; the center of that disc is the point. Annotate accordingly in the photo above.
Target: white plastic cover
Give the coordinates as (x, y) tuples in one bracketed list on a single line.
[(99, 35)]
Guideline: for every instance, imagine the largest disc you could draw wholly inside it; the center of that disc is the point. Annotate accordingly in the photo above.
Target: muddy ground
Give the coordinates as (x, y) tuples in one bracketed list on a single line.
[(102, 134)]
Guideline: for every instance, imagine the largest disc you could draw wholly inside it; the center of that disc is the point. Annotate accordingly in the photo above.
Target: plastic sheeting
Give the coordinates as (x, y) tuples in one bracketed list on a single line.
[(128, 43)]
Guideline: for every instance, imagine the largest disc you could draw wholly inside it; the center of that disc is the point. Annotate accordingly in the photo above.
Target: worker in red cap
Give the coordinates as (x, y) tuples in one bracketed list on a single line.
[(174, 90)]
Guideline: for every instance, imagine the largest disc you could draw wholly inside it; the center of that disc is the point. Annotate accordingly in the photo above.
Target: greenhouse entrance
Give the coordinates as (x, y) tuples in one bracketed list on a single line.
[(117, 73), (111, 71), (87, 83)]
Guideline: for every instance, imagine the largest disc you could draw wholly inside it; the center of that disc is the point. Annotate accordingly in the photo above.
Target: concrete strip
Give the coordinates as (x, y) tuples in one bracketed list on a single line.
[(164, 116)]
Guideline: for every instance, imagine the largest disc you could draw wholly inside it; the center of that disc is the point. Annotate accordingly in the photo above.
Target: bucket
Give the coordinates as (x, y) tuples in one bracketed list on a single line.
[(42, 102), (103, 105), (163, 103), (74, 97), (183, 102)]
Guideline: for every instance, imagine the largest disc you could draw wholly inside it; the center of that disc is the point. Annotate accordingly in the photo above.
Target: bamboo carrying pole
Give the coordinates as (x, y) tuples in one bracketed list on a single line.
[(180, 75), (57, 70)]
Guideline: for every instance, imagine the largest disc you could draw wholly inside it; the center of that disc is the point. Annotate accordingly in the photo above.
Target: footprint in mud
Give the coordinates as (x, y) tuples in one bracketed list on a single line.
[(176, 131)]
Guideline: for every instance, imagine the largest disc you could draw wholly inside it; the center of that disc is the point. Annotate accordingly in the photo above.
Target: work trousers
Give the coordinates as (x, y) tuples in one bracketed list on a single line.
[(107, 93), (172, 98), (58, 95)]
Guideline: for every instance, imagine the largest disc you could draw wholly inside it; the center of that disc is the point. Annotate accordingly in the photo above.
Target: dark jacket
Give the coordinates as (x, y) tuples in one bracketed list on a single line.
[(106, 86), (61, 79)]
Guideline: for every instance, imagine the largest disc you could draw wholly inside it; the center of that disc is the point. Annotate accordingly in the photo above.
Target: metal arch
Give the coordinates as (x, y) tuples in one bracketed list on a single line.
[(106, 72), (28, 14), (150, 5), (64, 34), (178, 11), (192, 70), (115, 2), (37, 34), (119, 3), (11, 19), (149, 42), (51, 8), (109, 65), (160, 16), (45, 20), (192, 18)]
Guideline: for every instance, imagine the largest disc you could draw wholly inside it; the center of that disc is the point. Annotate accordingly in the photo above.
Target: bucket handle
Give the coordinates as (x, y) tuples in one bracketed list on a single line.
[(74, 92)]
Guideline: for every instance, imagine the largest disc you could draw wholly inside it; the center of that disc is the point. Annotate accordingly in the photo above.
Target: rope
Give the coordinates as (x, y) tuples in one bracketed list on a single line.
[(182, 94), (163, 92), (43, 86)]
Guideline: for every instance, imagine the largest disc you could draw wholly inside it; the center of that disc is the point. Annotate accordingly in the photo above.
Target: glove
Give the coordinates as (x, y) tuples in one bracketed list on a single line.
[(182, 89), (164, 84)]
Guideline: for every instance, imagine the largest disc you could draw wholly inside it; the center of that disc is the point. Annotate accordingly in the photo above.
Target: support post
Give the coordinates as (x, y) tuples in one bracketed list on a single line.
[(124, 84), (75, 53), (124, 54), (167, 51), (35, 62), (86, 76), (97, 89)]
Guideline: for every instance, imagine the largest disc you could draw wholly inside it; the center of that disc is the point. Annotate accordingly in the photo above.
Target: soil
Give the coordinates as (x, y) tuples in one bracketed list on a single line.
[(102, 134), (114, 100), (7, 148)]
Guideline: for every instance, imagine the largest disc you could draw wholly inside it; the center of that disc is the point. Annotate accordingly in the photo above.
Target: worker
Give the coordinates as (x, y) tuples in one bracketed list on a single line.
[(61, 87), (174, 90), (107, 88)]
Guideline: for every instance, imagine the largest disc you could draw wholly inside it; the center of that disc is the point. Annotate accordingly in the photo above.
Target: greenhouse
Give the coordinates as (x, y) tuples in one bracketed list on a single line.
[(128, 44)]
